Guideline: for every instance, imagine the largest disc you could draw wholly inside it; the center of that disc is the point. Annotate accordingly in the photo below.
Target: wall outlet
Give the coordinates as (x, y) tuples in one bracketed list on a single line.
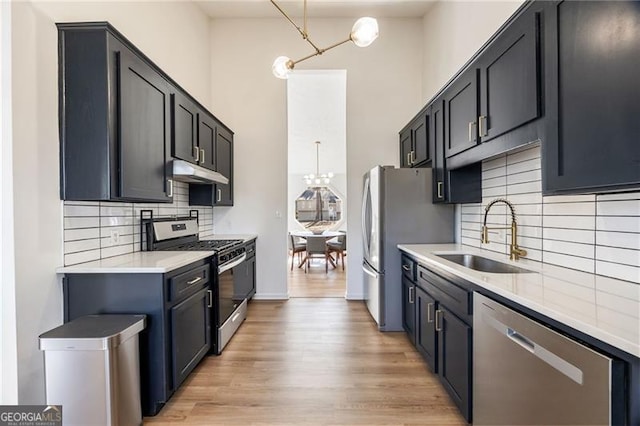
[(114, 237)]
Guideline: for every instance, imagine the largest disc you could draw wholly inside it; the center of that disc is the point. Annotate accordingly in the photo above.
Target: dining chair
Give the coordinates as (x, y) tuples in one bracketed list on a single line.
[(338, 246), (296, 246), (317, 247)]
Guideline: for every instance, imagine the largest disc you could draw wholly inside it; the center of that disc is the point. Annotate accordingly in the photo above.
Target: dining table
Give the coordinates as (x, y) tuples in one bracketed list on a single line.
[(325, 235)]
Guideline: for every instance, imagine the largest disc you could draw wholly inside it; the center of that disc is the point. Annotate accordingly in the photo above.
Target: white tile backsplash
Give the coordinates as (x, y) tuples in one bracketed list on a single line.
[(593, 233), (88, 226)]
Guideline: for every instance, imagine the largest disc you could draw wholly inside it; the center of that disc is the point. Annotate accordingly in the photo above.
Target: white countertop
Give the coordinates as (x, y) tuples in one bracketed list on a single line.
[(604, 308), (148, 262), (141, 262)]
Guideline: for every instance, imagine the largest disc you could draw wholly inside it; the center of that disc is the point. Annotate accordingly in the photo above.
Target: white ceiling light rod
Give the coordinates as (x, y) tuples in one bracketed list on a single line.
[(363, 33)]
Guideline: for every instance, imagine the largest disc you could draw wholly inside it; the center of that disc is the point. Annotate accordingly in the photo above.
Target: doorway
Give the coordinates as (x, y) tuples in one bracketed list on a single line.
[(317, 183)]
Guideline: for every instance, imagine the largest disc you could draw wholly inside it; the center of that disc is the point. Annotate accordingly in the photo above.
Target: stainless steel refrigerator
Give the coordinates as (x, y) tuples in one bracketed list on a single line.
[(397, 209)]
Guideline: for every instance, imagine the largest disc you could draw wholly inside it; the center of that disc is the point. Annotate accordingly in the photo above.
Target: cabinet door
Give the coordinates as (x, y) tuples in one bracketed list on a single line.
[(405, 148), (191, 334), (184, 120), (207, 140), (461, 113), (408, 308), (454, 358), (425, 328), (420, 141), (224, 165), (592, 51), (438, 159), (244, 279), (510, 81), (144, 132)]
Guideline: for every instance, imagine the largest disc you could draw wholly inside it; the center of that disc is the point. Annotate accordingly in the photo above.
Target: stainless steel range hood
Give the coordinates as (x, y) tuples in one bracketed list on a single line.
[(187, 172)]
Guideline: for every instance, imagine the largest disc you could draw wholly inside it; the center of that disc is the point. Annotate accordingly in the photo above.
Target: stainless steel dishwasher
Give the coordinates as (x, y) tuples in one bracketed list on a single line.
[(526, 373)]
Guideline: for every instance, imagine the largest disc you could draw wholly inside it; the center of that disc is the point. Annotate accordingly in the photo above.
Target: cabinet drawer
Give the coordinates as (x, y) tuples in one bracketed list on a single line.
[(186, 283), (457, 299), (408, 267)]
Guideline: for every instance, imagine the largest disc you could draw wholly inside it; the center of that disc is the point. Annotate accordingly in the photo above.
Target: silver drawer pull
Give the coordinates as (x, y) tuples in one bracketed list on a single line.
[(439, 323), (429, 308), (197, 151), (406, 268), (411, 297), (195, 280), (440, 185), (210, 303)]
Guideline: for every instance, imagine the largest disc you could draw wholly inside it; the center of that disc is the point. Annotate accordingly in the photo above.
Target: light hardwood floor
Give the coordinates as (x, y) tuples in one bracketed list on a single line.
[(316, 282), (311, 361)]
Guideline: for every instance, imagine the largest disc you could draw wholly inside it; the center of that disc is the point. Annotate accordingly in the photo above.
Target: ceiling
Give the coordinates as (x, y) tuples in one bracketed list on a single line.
[(316, 8)]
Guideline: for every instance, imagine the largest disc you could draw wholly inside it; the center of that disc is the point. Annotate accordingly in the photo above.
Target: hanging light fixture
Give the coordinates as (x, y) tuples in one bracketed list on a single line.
[(318, 179), (363, 33)]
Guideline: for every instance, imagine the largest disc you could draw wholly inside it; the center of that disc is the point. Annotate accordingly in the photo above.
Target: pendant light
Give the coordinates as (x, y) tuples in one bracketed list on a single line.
[(318, 179)]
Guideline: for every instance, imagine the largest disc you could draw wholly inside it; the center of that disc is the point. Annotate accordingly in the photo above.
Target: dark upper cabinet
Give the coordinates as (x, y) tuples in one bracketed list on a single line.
[(437, 143), (207, 126), (114, 119), (184, 132), (219, 141), (461, 113), (224, 165), (414, 142), (406, 147), (592, 66), (425, 332), (510, 78)]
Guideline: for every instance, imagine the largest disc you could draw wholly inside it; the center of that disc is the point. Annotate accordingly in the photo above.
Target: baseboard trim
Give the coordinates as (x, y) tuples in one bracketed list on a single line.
[(354, 296), (271, 296)]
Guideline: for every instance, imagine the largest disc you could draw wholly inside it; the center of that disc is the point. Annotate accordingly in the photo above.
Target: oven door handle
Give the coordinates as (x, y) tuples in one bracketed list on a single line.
[(233, 264)]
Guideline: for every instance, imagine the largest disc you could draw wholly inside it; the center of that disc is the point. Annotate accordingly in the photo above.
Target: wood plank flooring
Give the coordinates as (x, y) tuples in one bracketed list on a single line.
[(316, 282), (311, 361)]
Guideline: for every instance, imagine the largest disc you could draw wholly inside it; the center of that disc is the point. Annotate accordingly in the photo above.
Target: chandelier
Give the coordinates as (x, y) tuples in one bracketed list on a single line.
[(363, 33), (317, 178)]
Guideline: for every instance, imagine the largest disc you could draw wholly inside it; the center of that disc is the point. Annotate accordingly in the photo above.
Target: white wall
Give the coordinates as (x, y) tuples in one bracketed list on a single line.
[(453, 32), (383, 93), (175, 36), (8, 352)]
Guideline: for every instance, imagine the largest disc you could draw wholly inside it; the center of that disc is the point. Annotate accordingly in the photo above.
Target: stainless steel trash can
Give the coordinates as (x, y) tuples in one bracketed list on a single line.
[(92, 369)]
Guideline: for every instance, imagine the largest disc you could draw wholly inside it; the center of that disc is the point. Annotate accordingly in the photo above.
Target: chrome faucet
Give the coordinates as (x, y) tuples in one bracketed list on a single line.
[(515, 252)]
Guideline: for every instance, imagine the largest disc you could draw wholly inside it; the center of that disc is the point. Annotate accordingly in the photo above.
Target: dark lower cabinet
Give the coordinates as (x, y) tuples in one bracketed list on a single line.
[(179, 312), (114, 119), (425, 332), (409, 308), (191, 332), (592, 66), (437, 319), (455, 358)]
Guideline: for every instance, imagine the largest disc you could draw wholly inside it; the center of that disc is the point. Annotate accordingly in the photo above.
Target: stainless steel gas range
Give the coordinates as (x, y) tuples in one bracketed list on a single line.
[(228, 297)]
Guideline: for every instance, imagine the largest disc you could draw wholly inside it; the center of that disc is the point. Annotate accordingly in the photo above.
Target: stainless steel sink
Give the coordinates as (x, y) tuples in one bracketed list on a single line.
[(483, 264)]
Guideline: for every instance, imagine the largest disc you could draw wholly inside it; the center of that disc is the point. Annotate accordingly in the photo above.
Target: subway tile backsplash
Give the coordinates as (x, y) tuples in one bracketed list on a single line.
[(89, 226), (593, 233)]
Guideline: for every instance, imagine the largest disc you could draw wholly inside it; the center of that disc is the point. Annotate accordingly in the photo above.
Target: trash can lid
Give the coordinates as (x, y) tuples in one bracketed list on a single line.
[(93, 332)]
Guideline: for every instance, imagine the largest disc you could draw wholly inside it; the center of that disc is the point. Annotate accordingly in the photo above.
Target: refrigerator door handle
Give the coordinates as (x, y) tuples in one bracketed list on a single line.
[(365, 236), (367, 269)]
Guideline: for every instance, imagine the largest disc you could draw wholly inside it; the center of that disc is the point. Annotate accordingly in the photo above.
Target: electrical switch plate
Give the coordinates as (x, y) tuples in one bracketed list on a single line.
[(115, 237)]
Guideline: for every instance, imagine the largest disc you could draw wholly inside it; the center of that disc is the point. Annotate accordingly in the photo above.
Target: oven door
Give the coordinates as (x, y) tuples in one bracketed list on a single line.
[(231, 308)]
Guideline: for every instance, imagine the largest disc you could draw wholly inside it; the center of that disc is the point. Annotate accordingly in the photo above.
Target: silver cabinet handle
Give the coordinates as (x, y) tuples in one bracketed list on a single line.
[(411, 297), (413, 157), (219, 196), (202, 155), (440, 186), (195, 280), (406, 268), (408, 158), (197, 152), (482, 129), (470, 127), (429, 308), (210, 303), (439, 322), (169, 188)]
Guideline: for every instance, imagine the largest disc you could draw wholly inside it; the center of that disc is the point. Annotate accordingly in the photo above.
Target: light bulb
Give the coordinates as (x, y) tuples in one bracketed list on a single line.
[(330, 174), (364, 31), (282, 67), (317, 181), (311, 176), (308, 181), (327, 180)]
